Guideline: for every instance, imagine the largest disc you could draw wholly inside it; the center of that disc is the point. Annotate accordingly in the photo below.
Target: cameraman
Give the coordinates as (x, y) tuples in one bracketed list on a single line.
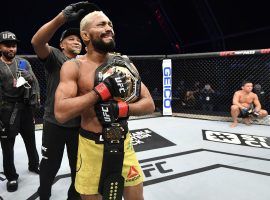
[(19, 92)]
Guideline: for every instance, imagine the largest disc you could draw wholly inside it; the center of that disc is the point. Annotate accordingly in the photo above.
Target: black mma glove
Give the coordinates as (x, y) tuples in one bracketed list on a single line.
[(114, 85), (74, 10), (110, 111)]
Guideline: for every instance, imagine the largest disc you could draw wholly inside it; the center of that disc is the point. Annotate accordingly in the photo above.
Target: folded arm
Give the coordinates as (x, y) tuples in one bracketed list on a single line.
[(145, 105), (67, 104)]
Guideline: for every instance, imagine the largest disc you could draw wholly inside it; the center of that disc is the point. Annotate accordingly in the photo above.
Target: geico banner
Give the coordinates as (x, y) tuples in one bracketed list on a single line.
[(167, 86)]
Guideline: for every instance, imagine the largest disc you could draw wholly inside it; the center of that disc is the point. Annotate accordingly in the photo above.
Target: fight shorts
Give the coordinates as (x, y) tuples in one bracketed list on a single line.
[(89, 163)]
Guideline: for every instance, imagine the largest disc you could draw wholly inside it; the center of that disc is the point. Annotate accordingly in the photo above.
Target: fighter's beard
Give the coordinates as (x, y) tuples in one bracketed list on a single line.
[(104, 47), (8, 56)]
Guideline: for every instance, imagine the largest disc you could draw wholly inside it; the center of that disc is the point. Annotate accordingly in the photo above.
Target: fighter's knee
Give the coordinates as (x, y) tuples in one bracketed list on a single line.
[(234, 107), (263, 113)]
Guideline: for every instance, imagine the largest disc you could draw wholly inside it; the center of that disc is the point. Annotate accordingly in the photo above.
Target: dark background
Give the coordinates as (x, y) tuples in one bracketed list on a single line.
[(146, 27)]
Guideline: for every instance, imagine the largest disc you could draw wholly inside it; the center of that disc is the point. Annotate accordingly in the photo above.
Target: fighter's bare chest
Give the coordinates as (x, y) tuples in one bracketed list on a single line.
[(86, 80), (246, 98)]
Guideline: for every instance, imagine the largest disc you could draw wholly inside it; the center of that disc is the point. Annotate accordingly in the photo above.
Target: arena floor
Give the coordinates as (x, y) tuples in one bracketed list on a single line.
[(181, 158)]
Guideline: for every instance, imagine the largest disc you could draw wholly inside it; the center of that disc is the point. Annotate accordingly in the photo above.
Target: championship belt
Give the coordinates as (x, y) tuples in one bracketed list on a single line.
[(117, 63), (114, 134), (111, 182)]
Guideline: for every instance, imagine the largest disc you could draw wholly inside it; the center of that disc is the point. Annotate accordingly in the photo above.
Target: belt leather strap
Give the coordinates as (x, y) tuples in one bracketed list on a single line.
[(111, 184)]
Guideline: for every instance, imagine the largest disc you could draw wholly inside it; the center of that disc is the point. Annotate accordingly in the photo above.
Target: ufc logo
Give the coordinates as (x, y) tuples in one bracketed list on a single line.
[(105, 112), (120, 84), (9, 35), (158, 167)]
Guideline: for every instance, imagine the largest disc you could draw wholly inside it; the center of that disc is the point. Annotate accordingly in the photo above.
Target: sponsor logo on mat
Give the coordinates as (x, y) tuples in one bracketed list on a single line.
[(235, 138), (146, 139)]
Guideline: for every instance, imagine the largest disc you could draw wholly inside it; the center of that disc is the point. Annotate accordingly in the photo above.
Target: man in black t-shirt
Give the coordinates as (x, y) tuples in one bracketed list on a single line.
[(56, 135), (19, 92)]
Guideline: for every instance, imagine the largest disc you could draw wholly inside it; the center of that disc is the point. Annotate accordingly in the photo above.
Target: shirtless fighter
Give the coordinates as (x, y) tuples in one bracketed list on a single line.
[(246, 104), (94, 88)]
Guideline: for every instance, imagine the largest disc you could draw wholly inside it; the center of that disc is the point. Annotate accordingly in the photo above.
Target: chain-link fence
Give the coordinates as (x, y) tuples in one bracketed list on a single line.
[(202, 84), (150, 70)]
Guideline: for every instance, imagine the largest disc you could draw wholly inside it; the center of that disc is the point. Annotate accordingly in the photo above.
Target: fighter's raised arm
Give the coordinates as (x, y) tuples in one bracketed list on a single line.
[(45, 33)]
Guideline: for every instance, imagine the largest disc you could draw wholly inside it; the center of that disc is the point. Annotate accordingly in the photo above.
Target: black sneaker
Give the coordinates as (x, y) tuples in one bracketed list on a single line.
[(12, 186), (34, 169)]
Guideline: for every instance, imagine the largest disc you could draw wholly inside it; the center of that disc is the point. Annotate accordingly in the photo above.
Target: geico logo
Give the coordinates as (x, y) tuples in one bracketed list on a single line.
[(167, 71), (167, 98), (167, 91), (105, 112)]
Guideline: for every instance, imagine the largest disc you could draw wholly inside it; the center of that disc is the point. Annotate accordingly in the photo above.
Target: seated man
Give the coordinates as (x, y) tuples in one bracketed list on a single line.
[(246, 104)]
